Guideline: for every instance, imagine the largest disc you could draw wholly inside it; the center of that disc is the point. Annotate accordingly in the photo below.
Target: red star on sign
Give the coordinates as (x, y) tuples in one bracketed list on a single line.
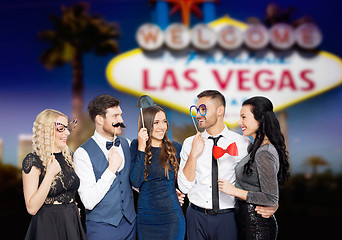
[(186, 7)]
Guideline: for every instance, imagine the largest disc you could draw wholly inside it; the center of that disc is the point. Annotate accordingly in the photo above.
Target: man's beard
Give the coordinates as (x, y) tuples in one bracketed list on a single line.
[(208, 123)]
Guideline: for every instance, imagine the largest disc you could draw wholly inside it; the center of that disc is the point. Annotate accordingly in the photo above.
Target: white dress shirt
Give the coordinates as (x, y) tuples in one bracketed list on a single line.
[(199, 191), (90, 191)]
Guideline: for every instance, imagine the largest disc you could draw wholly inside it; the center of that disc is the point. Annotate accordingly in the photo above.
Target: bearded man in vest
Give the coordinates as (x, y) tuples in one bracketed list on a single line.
[(103, 164)]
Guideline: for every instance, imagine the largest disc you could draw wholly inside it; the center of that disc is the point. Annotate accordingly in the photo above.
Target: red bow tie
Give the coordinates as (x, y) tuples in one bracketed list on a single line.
[(232, 150)]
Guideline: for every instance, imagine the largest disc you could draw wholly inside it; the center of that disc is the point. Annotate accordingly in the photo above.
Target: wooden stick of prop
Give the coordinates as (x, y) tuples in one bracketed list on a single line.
[(194, 123), (218, 168), (142, 117), (53, 141), (114, 135)]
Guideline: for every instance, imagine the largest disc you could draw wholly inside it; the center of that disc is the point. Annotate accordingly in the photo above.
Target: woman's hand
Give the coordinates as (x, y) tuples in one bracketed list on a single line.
[(226, 187), (35, 195), (180, 196), (53, 167), (230, 189), (142, 139)]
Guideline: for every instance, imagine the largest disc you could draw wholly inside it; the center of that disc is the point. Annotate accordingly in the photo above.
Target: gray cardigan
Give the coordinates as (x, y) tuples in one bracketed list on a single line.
[(262, 184)]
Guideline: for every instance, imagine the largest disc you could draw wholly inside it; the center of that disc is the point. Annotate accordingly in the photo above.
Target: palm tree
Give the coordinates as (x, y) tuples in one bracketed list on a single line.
[(77, 32), (315, 162)]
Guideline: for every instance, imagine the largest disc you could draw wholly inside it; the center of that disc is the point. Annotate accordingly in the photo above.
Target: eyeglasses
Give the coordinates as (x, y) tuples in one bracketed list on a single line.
[(202, 109), (60, 127)]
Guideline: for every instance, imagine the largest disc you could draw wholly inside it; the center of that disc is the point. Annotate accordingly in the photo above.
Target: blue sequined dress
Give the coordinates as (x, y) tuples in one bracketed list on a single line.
[(159, 214)]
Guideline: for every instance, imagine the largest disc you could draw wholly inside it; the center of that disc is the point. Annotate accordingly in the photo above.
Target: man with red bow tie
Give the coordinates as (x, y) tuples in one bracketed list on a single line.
[(205, 158)]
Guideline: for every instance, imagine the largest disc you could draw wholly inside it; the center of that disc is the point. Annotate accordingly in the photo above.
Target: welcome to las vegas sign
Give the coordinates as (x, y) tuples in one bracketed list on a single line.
[(174, 78)]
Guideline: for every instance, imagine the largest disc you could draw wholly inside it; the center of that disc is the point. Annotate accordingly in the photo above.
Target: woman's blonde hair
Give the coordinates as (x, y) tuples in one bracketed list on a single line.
[(43, 136)]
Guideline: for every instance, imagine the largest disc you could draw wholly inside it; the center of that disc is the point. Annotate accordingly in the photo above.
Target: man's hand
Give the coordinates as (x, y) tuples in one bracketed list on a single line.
[(266, 212), (114, 160), (196, 150), (197, 145)]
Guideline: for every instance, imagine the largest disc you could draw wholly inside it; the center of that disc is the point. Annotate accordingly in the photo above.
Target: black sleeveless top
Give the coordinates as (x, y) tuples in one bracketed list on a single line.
[(66, 183)]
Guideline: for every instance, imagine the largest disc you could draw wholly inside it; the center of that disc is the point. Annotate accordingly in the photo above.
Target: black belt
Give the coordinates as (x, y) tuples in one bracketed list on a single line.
[(211, 211)]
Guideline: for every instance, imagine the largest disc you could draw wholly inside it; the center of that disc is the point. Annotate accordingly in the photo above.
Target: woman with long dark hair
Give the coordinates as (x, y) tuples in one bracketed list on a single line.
[(155, 161), (260, 172)]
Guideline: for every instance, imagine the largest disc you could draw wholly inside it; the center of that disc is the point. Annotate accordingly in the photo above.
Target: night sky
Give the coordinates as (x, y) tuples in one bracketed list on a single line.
[(27, 87)]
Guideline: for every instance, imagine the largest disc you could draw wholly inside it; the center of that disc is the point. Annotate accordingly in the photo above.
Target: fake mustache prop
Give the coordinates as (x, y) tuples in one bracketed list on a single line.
[(119, 124)]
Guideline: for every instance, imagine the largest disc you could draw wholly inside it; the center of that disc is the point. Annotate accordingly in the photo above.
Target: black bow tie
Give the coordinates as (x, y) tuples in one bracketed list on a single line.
[(110, 144)]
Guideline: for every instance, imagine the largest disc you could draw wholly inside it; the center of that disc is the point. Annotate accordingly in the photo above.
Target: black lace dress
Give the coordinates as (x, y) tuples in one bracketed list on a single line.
[(58, 218)]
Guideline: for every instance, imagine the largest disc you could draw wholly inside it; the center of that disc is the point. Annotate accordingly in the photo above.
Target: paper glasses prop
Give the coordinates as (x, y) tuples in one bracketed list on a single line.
[(144, 101), (202, 109), (60, 127)]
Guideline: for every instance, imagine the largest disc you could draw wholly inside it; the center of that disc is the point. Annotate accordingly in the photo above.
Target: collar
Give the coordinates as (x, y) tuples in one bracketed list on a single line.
[(224, 133), (102, 140)]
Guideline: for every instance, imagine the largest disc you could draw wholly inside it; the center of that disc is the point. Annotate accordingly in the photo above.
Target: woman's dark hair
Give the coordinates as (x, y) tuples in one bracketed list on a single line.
[(100, 104), (168, 154), (262, 109)]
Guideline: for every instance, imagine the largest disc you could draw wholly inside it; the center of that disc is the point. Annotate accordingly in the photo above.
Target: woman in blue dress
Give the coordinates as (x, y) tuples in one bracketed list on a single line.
[(155, 162)]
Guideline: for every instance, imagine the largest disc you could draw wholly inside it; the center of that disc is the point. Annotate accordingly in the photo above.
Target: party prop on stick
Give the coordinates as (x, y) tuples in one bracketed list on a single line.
[(114, 134), (144, 101), (218, 152), (60, 127), (119, 124), (231, 150), (53, 140), (72, 125), (202, 109), (194, 124)]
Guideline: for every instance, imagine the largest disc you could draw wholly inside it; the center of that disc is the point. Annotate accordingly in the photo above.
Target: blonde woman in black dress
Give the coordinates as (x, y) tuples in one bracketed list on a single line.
[(258, 174), (50, 182)]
